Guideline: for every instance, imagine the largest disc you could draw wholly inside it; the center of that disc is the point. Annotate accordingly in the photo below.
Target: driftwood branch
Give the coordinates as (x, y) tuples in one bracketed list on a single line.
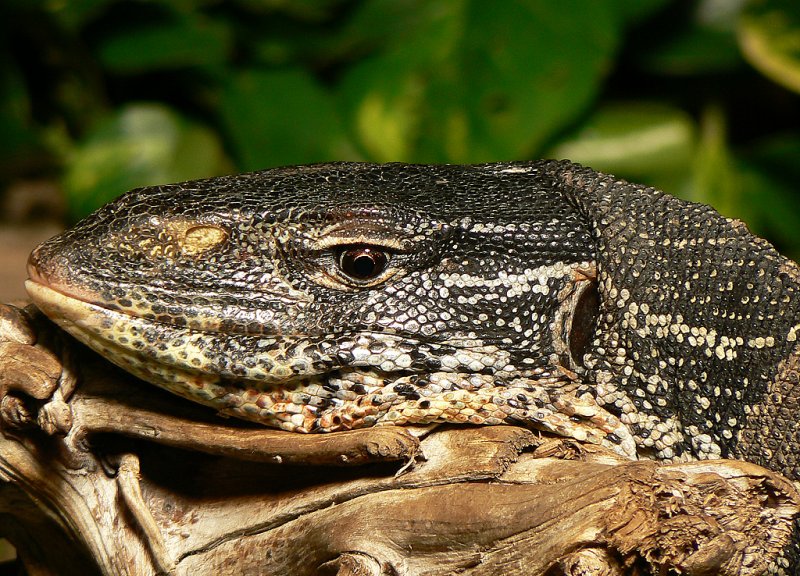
[(100, 473)]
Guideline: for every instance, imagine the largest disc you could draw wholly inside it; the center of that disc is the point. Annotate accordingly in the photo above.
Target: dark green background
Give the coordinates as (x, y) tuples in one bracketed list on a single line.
[(699, 98)]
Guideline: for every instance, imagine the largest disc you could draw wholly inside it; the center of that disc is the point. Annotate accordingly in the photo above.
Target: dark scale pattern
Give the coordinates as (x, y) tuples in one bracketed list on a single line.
[(230, 292), (696, 314)]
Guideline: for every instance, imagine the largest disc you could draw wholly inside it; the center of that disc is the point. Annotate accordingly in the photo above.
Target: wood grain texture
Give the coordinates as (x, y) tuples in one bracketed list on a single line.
[(111, 477)]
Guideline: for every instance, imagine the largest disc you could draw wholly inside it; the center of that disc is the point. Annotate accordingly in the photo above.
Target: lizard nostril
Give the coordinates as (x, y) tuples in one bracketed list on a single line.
[(33, 263), (43, 264), (584, 315)]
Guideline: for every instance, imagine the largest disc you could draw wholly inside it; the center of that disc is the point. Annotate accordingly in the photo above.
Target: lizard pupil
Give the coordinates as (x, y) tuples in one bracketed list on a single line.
[(362, 262)]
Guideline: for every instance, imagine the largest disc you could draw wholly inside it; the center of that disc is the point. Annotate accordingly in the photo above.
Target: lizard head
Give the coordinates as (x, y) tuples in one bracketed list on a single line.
[(286, 295), (341, 295)]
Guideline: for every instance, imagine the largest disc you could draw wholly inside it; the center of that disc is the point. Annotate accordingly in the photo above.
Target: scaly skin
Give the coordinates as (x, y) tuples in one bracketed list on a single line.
[(542, 294)]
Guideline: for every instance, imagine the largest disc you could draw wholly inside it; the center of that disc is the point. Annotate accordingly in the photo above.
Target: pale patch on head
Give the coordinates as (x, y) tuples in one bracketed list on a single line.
[(201, 238)]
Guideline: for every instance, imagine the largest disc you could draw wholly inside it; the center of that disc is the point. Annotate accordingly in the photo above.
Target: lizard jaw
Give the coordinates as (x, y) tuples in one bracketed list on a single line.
[(153, 350), (466, 399), (113, 335)]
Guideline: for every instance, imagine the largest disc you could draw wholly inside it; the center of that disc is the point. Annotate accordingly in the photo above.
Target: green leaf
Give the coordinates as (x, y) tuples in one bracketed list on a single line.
[(769, 174), (698, 50), (281, 117), (778, 154), (636, 140), (391, 25), (714, 178), (303, 9), (188, 40), (470, 82), (386, 117), (636, 10), (530, 70), (769, 35), (140, 145), (73, 14), (775, 208)]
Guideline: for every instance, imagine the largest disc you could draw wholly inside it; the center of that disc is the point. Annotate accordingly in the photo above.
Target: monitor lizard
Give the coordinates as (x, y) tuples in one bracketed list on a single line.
[(334, 296)]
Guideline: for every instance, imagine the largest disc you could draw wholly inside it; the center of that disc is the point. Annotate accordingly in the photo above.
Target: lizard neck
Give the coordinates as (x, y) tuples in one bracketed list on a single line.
[(695, 343)]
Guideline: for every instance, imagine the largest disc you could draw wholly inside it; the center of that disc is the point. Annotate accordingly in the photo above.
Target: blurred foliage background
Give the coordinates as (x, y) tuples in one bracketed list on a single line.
[(699, 98)]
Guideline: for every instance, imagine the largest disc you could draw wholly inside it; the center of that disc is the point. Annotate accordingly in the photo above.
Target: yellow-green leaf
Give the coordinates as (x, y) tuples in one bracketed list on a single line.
[(141, 145), (769, 35)]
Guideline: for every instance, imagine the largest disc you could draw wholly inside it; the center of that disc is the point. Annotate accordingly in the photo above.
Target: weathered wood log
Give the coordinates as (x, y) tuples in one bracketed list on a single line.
[(102, 474)]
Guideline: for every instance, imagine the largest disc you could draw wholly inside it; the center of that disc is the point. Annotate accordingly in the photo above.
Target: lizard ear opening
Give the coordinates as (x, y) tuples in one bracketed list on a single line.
[(584, 314), (576, 318)]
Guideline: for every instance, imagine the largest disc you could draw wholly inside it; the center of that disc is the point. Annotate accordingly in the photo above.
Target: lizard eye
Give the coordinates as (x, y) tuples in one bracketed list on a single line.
[(362, 263)]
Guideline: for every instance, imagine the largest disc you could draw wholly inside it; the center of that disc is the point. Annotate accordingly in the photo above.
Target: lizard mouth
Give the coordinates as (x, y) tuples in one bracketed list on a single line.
[(342, 399), (49, 279), (184, 361), (149, 348), (114, 334), (288, 392)]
